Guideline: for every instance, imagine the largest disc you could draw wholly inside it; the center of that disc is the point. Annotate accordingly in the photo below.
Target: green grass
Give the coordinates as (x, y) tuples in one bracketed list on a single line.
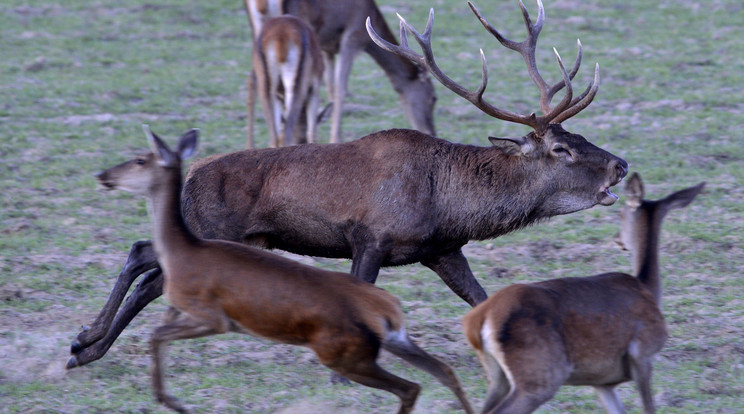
[(78, 79)]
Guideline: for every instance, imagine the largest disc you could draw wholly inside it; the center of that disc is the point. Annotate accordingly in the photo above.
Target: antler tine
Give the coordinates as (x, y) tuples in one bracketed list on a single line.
[(577, 64), (566, 101), (582, 100), (428, 61)]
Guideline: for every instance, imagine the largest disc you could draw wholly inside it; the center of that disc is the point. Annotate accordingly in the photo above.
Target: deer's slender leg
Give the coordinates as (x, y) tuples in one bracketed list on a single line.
[(149, 289), (640, 369), (251, 104), (141, 259), (372, 375), (454, 270), (610, 400), (182, 326), (341, 72)]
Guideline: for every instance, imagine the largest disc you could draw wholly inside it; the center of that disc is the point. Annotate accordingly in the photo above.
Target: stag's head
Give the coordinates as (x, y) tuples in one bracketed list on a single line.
[(576, 173)]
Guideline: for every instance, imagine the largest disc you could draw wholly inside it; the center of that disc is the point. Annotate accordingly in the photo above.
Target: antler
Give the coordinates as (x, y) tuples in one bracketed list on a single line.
[(568, 107)]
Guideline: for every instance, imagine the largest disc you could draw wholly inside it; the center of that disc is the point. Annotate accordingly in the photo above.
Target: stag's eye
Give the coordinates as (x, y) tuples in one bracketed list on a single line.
[(140, 161), (560, 150)]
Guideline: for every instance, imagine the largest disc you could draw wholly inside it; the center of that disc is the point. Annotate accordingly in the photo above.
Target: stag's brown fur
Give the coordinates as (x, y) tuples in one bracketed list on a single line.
[(217, 286), (600, 330)]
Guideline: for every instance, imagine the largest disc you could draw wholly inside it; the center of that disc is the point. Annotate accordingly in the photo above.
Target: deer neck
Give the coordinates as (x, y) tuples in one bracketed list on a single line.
[(646, 256), (170, 233), (492, 194)]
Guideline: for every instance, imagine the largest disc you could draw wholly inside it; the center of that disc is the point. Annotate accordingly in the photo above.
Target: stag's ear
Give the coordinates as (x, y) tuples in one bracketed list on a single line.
[(513, 146), (163, 154), (187, 144), (634, 188)]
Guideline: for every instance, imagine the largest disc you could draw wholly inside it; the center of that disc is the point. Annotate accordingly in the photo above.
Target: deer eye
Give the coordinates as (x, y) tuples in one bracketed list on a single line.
[(140, 161), (560, 150)]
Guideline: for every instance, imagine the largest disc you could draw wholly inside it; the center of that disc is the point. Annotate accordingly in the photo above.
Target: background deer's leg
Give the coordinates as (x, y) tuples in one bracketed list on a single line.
[(141, 259), (454, 270), (149, 289), (341, 71), (251, 104), (610, 401)]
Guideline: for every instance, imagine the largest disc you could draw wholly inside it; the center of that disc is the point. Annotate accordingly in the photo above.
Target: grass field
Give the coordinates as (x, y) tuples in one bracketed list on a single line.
[(78, 78)]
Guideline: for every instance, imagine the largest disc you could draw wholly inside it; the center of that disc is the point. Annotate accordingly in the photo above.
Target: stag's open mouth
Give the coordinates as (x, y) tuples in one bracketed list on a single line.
[(607, 197)]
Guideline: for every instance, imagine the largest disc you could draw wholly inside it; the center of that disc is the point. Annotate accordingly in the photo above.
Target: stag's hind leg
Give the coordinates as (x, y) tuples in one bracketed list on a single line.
[(93, 342)]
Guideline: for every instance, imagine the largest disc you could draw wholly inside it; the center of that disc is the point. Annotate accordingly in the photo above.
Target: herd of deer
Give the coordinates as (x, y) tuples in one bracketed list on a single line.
[(391, 198)]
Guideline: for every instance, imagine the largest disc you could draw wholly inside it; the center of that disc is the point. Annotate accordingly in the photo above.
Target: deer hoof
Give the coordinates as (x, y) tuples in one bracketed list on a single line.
[(338, 379), (71, 363), (76, 347)]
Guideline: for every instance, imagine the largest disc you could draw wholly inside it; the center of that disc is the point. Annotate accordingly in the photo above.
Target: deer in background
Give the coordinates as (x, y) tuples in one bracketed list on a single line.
[(392, 198), (601, 330), (289, 70), (339, 26), (216, 286)]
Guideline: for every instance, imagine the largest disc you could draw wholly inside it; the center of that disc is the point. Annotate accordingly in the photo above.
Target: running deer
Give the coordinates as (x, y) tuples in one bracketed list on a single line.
[(600, 331), (216, 286), (289, 71), (392, 198), (339, 26)]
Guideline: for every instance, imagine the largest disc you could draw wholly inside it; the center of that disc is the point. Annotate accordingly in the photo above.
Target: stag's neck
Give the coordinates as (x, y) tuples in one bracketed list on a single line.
[(489, 194), (170, 232), (646, 258)]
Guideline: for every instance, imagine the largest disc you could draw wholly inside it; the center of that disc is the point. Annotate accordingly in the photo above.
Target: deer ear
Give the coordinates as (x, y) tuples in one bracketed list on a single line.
[(634, 188), (187, 144), (513, 146), (163, 154), (681, 198)]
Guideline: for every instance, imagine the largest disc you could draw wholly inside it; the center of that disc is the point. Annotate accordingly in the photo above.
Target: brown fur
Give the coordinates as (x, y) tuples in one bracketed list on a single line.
[(296, 96), (217, 286), (600, 330), (340, 29)]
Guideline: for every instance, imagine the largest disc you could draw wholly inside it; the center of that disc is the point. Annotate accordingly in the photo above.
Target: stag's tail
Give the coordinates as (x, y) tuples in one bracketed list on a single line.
[(400, 344)]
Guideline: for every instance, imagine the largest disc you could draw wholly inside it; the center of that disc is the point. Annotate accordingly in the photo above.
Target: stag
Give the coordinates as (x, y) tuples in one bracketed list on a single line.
[(600, 331), (340, 28), (391, 198), (218, 286)]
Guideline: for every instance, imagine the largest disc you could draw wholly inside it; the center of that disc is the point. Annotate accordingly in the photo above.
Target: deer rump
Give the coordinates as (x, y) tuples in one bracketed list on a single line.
[(325, 200)]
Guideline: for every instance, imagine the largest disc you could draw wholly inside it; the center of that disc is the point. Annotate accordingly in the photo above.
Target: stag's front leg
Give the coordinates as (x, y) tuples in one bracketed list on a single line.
[(141, 259), (149, 289), (454, 270)]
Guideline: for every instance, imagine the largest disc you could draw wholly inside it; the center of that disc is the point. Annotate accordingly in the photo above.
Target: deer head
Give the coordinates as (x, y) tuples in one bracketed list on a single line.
[(566, 154)]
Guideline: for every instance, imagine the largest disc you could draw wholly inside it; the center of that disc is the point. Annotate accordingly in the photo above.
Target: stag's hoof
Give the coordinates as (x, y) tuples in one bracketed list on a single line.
[(71, 363), (76, 347)]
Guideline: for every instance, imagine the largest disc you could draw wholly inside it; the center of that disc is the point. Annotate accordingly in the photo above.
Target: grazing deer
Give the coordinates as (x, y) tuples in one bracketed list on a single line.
[(339, 26), (600, 330), (289, 70), (392, 198), (217, 286)]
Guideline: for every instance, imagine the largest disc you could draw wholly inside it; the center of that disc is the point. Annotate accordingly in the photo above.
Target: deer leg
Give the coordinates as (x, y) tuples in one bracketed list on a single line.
[(341, 73), (370, 374), (406, 349), (182, 326), (521, 402), (141, 259), (498, 385), (366, 263), (640, 370), (454, 270), (149, 289), (251, 104), (610, 401)]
